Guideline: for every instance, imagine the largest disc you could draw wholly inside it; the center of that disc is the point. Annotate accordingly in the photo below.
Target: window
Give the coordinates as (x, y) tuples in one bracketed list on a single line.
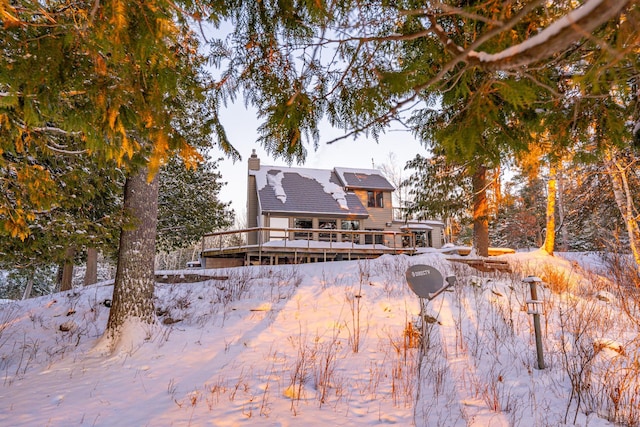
[(303, 223), (350, 225), (327, 224), (374, 199), (370, 239), (421, 239), (275, 222)]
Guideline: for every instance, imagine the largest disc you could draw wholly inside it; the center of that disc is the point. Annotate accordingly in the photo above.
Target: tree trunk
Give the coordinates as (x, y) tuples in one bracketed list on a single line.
[(67, 269), (480, 212), (135, 278), (564, 232), (622, 193), (91, 273), (497, 191), (550, 235), (28, 289)]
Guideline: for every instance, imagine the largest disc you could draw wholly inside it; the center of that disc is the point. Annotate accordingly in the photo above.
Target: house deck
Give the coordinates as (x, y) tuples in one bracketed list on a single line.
[(228, 248)]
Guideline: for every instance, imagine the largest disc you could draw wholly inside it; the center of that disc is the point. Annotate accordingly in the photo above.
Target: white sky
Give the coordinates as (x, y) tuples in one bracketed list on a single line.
[(241, 126)]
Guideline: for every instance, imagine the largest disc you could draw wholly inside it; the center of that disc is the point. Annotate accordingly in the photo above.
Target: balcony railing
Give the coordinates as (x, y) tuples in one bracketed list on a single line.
[(310, 238)]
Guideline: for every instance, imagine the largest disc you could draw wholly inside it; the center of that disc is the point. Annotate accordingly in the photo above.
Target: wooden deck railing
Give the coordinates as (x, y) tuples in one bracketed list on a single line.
[(225, 240)]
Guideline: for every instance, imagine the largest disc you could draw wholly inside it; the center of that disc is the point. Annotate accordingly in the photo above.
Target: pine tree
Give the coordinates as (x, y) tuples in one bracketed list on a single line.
[(114, 80), (188, 204), (439, 189), (87, 213)]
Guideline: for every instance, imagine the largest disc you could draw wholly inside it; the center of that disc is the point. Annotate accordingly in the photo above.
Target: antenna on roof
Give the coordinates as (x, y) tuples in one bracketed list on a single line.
[(373, 166)]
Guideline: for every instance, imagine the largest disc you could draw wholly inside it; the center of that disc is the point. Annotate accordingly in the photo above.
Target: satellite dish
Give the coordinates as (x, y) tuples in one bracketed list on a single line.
[(426, 281)]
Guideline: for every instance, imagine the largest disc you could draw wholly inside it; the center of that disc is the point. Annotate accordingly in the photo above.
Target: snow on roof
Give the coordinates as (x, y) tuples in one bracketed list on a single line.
[(430, 223), (416, 226), (275, 181), (272, 176), (350, 177)]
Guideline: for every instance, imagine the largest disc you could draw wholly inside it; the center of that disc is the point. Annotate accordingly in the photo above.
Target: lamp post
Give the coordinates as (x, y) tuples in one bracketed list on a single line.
[(533, 307)]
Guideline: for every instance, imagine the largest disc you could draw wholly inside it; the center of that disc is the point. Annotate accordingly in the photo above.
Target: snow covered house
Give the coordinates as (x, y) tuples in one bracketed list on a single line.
[(307, 215)]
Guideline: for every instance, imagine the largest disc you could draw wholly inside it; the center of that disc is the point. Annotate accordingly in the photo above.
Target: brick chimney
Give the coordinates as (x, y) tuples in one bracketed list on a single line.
[(254, 161), (252, 199)]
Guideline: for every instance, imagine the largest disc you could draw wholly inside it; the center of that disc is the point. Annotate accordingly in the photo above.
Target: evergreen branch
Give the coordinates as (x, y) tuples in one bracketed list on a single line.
[(94, 9), (348, 68), (368, 39), (55, 130), (516, 19), (62, 151), (38, 16), (400, 104), (464, 53), (537, 82), (454, 80), (33, 96), (398, 37), (555, 38), (450, 10), (448, 44)]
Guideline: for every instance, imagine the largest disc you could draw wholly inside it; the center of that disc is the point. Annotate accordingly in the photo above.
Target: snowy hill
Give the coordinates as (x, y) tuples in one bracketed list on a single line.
[(329, 344)]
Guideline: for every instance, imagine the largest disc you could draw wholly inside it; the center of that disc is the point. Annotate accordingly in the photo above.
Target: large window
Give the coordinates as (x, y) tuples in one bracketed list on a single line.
[(327, 224), (374, 199), (350, 225), (281, 223), (303, 223)]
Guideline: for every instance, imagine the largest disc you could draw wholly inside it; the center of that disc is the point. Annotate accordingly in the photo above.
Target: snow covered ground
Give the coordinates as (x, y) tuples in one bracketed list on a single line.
[(332, 344)]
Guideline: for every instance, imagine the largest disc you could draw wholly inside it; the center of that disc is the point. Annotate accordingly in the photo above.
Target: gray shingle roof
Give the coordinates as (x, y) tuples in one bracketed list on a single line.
[(363, 179), (288, 191)]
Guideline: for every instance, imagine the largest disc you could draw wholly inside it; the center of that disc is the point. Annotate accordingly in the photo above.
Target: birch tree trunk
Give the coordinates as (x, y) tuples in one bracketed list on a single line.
[(617, 171), (550, 234), (480, 212), (132, 303), (564, 232)]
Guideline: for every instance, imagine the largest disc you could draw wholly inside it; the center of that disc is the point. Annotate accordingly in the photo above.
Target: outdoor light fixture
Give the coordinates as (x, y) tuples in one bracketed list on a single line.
[(533, 307)]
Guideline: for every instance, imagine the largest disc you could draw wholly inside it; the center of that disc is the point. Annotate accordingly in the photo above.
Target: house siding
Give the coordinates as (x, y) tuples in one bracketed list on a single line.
[(253, 204), (378, 217), (223, 262), (436, 236), (252, 209)]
